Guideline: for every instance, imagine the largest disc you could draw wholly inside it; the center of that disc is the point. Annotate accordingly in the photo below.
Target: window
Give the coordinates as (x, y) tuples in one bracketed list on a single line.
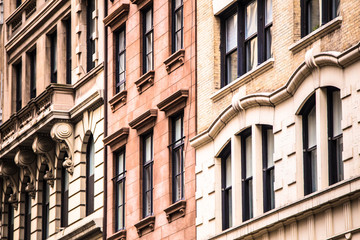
[(90, 167), (32, 58), (177, 151), (226, 187), (68, 50), (177, 25), (311, 10), (64, 196), (148, 41), (90, 34), (45, 208), (335, 144), (53, 57), (120, 61), (247, 175), (18, 76), (268, 168), (27, 216), (243, 52), (309, 145), (10, 216), (119, 181), (147, 152)]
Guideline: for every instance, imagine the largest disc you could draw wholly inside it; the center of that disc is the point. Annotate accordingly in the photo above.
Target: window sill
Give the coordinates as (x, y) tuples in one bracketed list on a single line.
[(317, 34), (145, 225), (268, 64), (121, 235), (175, 61), (175, 211), (145, 81), (118, 100)]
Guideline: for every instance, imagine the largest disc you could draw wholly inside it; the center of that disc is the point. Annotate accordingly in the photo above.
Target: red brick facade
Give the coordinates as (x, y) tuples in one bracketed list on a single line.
[(147, 104)]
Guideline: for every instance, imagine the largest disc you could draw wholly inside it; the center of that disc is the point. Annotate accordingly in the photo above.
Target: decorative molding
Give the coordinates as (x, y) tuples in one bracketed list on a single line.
[(119, 136), (174, 102), (145, 121), (9, 170), (118, 15), (118, 100), (175, 211), (175, 61), (137, 2), (121, 235), (145, 226), (145, 81)]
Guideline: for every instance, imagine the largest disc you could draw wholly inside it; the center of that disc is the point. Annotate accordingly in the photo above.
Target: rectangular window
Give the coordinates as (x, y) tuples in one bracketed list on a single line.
[(45, 209), (64, 197), (18, 77), (226, 187), (148, 40), (268, 168), (27, 216), (53, 57), (120, 61), (91, 26), (10, 221), (309, 143), (68, 50), (177, 149), (119, 180), (177, 25), (90, 179), (247, 174), (246, 38), (147, 155), (310, 14), (32, 58), (336, 168)]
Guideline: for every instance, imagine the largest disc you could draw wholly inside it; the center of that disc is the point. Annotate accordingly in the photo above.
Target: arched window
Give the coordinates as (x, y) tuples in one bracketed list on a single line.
[(45, 207), (64, 196), (90, 167), (10, 215), (27, 230)]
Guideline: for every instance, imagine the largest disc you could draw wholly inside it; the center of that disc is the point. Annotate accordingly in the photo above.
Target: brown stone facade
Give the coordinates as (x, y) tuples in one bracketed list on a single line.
[(148, 103)]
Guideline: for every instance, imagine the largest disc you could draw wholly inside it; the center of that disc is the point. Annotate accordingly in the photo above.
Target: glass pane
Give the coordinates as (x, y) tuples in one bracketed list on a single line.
[(313, 15), (339, 150), (149, 62), (248, 157), (147, 148), (229, 198), (66, 180), (120, 163), (228, 171), (251, 54), (251, 19), (120, 194), (121, 41), (149, 43), (272, 191), (178, 20), (177, 161), (313, 171), (231, 67), (147, 178), (268, 12), (178, 3), (250, 199), (122, 63), (91, 156), (147, 203), (337, 113), (269, 52), (120, 220), (178, 40), (312, 128), (178, 129), (178, 188), (231, 32), (270, 147), (148, 20)]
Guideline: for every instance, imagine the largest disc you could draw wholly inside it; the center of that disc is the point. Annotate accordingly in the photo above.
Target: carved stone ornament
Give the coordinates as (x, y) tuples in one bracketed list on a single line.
[(8, 168), (24, 157), (69, 165), (13, 200), (30, 189), (49, 177), (61, 131)]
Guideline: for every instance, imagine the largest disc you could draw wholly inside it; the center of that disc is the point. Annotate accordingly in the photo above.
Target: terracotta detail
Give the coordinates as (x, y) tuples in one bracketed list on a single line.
[(145, 81), (146, 225), (175, 211), (174, 102), (121, 235), (118, 100), (117, 138), (145, 121), (118, 15), (175, 61)]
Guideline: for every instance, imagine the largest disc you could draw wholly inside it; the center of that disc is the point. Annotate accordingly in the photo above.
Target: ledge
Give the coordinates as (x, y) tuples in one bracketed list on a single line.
[(175, 61), (120, 135), (175, 211), (317, 34), (118, 15), (137, 2), (174, 102), (118, 100), (268, 64), (145, 121), (121, 235), (145, 81), (145, 226)]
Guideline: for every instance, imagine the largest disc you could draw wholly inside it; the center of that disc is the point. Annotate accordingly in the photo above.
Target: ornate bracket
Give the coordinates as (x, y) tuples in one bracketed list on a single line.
[(146, 225), (9, 170), (25, 158), (43, 146)]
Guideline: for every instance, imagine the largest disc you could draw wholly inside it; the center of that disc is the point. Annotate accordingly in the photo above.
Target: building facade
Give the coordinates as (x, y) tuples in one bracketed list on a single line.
[(51, 147), (277, 153), (150, 118)]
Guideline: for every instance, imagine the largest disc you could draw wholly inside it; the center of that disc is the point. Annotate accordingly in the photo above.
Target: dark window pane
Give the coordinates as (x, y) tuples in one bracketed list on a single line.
[(231, 65), (251, 54)]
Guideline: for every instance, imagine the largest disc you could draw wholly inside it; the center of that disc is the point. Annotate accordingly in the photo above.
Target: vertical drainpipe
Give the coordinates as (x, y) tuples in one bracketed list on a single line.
[(105, 120)]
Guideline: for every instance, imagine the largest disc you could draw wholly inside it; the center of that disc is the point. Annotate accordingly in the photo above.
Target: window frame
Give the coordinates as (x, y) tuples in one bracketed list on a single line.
[(146, 165), (45, 207), (226, 209), (68, 50), (90, 39), (10, 215), (119, 178), (53, 57), (174, 10), (247, 182), (268, 185), (64, 196), (32, 60), (27, 224), (120, 85), (147, 68), (90, 179), (18, 82)]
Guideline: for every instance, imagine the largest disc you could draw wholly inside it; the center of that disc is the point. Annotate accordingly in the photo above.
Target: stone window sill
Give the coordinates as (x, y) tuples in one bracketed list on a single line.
[(268, 64), (174, 102), (121, 235), (317, 34), (175, 211), (118, 100), (175, 61), (145, 225), (145, 81)]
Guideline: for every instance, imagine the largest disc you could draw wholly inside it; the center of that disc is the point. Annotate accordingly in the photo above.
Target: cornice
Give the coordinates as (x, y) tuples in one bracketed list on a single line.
[(145, 120), (176, 99), (118, 15), (117, 136)]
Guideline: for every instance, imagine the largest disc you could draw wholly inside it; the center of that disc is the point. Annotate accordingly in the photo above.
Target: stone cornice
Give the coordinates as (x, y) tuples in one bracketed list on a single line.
[(175, 210), (118, 100), (174, 100), (175, 61), (145, 81), (117, 136), (239, 103), (145, 225), (144, 121), (118, 15)]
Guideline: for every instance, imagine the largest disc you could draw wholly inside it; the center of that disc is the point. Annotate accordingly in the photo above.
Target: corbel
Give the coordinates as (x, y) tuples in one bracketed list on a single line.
[(9, 171), (24, 158)]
